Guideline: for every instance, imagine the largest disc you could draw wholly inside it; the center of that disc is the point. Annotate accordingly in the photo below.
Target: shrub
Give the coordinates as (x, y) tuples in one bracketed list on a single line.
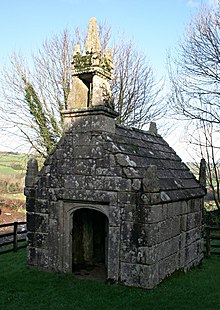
[(13, 204), (11, 183)]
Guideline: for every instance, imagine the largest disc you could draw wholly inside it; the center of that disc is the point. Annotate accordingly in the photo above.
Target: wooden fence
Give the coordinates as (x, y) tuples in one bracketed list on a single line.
[(14, 237), (212, 240), (18, 235)]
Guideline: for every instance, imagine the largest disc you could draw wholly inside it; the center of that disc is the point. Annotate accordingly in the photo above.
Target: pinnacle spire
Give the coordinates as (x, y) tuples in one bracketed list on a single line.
[(92, 40)]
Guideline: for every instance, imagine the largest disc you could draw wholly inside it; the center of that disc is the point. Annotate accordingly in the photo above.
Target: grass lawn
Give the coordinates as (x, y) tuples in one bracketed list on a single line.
[(24, 288)]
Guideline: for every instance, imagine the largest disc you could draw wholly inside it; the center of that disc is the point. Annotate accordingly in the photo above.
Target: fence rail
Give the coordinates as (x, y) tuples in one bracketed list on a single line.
[(15, 237), (212, 240)]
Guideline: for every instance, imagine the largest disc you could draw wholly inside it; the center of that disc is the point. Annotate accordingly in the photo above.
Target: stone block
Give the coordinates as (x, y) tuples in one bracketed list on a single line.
[(193, 235), (29, 192), (139, 234), (88, 152), (127, 198), (123, 185), (106, 197), (139, 275), (130, 172), (113, 171), (195, 205), (168, 247), (147, 255), (174, 209), (38, 258), (136, 184), (184, 207), (108, 183), (149, 276), (37, 240), (75, 181), (151, 198), (190, 253), (182, 258), (114, 253), (37, 222), (129, 274), (150, 180), (82, 166), (114, 215), (128, 254), (134, 213), (111, 147), (183, 222), (168, 265), (156, 213), (30, 204), (182, 240), (54, 209), (82, 139), (32, 256), (42, 206), (99, 123), (124, 160), (169, 228), (194, 220)]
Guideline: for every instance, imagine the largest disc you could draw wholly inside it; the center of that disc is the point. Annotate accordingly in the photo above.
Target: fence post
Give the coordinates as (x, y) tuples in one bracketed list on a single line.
[(208, 242), (15, 237)]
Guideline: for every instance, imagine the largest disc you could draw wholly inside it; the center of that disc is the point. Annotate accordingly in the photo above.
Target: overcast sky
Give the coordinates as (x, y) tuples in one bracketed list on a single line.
[(156, 26)]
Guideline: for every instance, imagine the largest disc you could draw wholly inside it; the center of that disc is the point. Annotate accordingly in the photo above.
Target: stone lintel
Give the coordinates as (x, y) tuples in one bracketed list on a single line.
[(97, 118), (92, 70), (96, 110)]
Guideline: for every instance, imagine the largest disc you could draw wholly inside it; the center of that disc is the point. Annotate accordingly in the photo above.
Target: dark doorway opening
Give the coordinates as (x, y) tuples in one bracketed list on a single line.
[(89, 243)]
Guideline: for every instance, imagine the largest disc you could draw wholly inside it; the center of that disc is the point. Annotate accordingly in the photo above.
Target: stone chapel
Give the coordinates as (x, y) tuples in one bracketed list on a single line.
[(109, 195)]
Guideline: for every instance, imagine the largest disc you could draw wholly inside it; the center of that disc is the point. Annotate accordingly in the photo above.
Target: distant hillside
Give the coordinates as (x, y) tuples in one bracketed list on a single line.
[(12, 163)]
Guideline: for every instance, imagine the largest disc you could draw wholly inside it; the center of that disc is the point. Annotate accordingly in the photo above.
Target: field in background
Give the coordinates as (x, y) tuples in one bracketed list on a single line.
[(12, 163), (12, 173), (12, 199)]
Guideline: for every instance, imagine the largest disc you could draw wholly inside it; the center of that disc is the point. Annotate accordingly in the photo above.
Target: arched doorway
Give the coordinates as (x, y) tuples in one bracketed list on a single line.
[(89, 243)]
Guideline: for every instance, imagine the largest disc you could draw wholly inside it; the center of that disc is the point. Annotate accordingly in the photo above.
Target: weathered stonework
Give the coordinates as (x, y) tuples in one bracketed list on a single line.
[(116, 196)]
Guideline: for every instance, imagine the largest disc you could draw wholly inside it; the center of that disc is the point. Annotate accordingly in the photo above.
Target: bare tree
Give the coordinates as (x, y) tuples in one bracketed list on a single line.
[(33, 95), (137, 96), (195, 75), (204, 141), (195, 88)]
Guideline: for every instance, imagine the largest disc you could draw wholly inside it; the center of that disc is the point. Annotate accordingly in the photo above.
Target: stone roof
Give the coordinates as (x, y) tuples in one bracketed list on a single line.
[(143, 149), (92, 158)]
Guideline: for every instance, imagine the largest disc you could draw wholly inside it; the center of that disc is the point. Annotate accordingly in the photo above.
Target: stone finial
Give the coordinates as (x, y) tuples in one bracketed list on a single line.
[(108, 54), (93, 42), (76, 50), (153, 128), (202, 172), (91, 73), (151, 180), (31, 173)]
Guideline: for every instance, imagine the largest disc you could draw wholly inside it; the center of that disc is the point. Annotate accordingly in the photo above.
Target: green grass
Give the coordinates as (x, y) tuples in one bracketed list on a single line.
[(9, 157), (9, 170), (24, 288), (7, 161)]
